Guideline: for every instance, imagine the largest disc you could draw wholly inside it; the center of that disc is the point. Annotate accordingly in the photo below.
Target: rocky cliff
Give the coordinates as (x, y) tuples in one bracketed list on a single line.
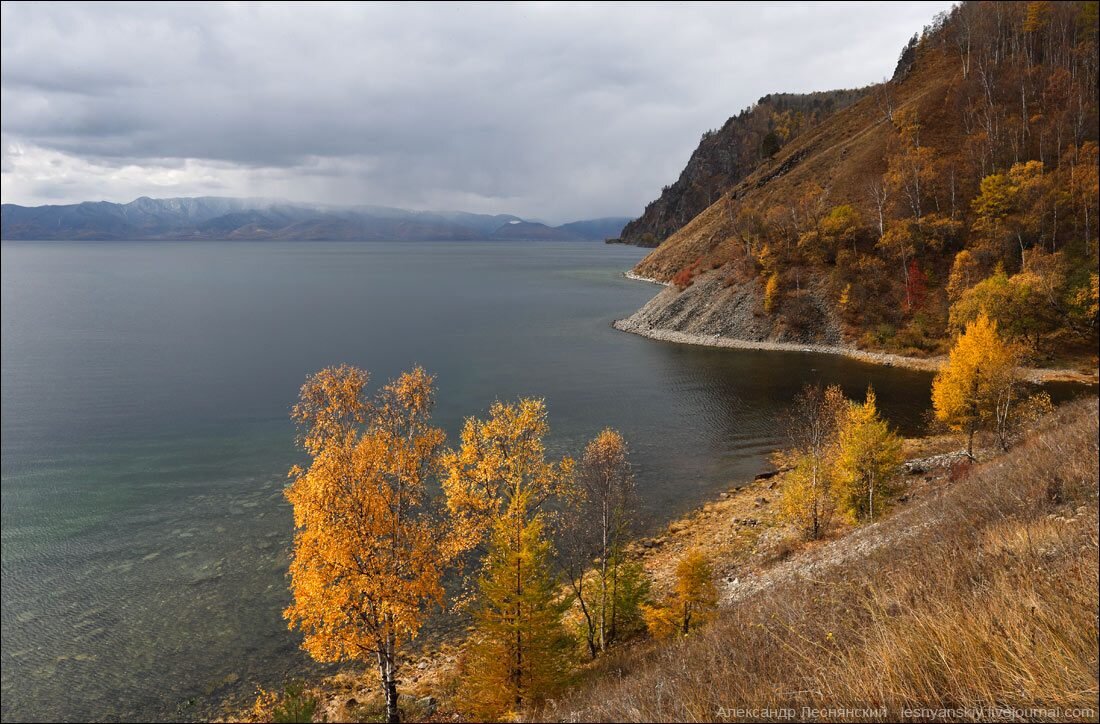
[(968, 181), (727, 155)]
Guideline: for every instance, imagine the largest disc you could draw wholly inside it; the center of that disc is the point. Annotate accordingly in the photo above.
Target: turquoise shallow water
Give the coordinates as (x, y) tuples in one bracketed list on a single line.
[(145, 391)]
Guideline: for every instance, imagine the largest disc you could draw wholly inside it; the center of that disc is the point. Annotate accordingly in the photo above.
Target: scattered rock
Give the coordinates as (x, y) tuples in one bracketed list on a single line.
[(427, 704), (761, 501)]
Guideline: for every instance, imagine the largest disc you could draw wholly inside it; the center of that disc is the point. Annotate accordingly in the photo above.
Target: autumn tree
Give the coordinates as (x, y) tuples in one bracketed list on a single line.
[(518, 649), (840, 228), (975, 388), (498, 484), (1084, 194), (367, 560), (1026, 306), (693, 600), (867, 461), (597, 526), (1084, 303), (992, 205), (807, 497), (916, 286), (965, 273), (911, 173), (906, 239), (631, 593)]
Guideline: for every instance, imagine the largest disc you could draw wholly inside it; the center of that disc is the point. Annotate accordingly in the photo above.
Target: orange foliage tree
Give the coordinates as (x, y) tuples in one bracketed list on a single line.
[(693, 601), (976, 387), (497, 485), (367, 554)]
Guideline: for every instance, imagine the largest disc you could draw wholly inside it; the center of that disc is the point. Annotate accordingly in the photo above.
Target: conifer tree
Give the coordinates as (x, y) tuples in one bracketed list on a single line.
[(498, 484), (868, 457), (693, 600), (976, 387), (517, 653)]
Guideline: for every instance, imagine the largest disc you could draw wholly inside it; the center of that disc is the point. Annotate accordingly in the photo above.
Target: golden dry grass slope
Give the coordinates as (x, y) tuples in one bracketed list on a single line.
[(977, 601)]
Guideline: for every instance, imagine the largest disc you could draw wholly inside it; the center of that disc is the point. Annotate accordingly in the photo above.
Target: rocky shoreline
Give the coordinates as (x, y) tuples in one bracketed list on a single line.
[(743, 530), (640, 278), (927, 364)]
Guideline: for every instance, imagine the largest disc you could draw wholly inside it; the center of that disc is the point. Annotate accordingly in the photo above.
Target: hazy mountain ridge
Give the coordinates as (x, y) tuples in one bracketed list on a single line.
[(212, 217)]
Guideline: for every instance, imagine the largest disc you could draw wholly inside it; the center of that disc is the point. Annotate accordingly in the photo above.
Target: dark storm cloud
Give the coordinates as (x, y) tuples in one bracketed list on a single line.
[(558, 111)]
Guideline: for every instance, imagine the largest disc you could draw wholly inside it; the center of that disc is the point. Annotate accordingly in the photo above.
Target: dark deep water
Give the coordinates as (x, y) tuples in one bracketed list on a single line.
[(146, 388)]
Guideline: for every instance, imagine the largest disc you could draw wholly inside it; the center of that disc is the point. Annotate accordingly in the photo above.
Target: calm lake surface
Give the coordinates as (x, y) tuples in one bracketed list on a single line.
[(146, 388)]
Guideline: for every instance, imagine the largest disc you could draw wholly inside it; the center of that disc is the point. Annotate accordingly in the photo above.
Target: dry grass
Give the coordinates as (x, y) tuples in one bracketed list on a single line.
[(984, 597)]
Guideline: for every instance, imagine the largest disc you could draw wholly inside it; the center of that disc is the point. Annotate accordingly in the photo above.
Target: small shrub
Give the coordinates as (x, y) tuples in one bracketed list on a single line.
[(683, 278), (295, 705), (692, 603), (771, 292)]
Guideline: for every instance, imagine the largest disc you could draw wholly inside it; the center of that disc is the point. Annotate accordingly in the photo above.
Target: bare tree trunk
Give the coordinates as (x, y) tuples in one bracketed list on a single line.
[(517, 664), (905, 274), (879, 194), (611, 631), (871, 497), (387, 671), (576, 582), (603, 575)]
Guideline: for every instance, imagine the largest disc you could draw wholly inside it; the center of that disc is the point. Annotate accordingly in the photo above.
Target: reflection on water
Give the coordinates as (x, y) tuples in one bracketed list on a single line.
[(145, 434)]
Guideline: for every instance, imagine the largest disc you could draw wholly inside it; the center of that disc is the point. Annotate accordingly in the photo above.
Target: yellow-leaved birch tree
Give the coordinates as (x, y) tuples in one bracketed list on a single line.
[(367, 560)]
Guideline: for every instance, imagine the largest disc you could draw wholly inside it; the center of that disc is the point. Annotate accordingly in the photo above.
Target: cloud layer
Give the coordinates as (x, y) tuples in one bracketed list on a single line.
[(548, 110)]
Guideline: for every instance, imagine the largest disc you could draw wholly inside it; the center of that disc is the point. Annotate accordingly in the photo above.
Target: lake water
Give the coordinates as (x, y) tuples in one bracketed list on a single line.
[(146, 388)]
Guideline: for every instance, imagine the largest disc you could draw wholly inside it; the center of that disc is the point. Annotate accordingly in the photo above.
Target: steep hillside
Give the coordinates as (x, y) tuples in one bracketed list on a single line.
[(727, 155), (968, 181), (855, 627)]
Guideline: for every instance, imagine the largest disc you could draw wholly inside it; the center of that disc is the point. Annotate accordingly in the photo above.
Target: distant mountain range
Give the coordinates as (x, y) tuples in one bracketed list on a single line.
[(212, 217)]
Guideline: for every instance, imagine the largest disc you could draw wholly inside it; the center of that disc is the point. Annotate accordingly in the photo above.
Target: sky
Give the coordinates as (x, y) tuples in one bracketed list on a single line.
[(550, 111)]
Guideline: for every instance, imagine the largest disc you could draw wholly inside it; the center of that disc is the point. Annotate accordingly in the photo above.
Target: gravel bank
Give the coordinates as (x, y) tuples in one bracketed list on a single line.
[(930, 364)]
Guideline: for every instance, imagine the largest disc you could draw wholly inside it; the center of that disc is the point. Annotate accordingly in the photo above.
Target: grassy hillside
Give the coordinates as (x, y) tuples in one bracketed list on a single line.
[(977, 164), (981, 592)]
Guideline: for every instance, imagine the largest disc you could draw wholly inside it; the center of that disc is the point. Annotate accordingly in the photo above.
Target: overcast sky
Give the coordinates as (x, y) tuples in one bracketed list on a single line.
[(552, 111)]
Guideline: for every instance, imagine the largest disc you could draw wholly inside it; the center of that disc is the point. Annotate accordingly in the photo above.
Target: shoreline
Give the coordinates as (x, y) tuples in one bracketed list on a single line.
[(888, 359), (740, 526), (640, 278)]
